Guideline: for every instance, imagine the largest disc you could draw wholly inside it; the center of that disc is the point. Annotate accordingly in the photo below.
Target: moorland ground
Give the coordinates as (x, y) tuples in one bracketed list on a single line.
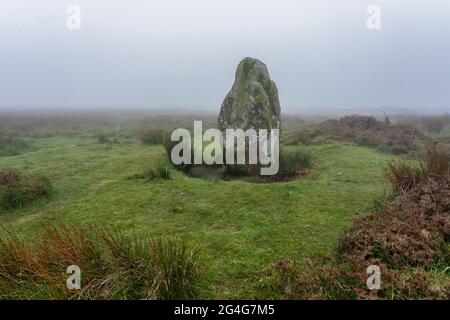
[(241, 228)]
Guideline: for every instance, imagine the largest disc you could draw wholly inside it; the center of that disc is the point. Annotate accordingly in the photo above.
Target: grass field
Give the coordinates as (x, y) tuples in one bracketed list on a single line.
[(242, 228)]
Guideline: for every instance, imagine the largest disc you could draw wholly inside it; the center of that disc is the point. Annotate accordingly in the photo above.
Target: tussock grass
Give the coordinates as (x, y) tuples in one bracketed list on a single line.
[(159, 171), (18, 189), (404, 176), (113, 266), (293, 162)]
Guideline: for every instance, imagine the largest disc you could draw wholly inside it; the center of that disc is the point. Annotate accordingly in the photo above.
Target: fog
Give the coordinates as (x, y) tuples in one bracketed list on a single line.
[(168, 54)]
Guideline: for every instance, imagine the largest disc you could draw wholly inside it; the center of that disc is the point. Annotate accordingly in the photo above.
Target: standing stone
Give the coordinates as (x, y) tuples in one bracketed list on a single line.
[(252, 101)]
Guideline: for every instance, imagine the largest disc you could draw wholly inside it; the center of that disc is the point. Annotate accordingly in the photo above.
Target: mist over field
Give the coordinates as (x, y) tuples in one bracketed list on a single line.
[(181, 55), (255, 150)]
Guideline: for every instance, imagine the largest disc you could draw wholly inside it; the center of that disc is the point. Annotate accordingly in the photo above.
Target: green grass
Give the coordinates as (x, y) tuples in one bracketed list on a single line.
[(241, 228)]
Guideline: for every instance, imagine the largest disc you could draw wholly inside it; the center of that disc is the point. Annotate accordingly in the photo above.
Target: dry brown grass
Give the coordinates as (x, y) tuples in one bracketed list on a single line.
[(404, 176), (113, 266), (408, 238), (362, 130)]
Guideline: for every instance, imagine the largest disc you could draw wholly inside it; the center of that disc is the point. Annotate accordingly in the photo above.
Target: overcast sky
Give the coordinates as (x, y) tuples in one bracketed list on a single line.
[(168, 54)]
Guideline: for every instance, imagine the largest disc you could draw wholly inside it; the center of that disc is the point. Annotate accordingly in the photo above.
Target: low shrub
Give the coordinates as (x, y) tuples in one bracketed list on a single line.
[(410, 231), (293, 163), (300, 159), (106, 137), (413, 226), (14, 146), (102, 138), (152, 136), (18, 190), (4, 139), (160, 171), (113, 266), (298, 137), (312, 280), (407, 237), (362, 130), (437, 161), (430, 124), (396, 238), (404, 176), (324, 279)]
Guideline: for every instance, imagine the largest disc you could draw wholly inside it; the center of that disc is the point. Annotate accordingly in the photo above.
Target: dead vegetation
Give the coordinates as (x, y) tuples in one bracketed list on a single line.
[(362, 130), (429, 124), (404, 176), (408, 238), (113, 266), (19, 189)]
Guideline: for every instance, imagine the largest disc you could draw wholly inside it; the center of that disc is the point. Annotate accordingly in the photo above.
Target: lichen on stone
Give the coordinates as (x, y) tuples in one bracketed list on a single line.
[(252, 101)]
